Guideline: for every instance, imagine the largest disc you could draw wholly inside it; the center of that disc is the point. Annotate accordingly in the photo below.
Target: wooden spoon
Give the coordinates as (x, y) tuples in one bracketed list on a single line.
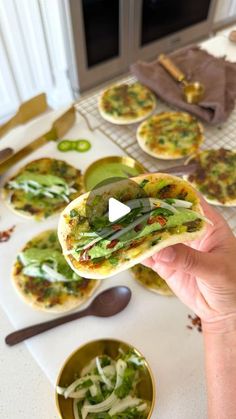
[(106, 304)]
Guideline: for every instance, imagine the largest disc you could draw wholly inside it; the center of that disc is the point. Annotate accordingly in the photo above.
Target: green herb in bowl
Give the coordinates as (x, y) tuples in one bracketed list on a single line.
[(107, 386)]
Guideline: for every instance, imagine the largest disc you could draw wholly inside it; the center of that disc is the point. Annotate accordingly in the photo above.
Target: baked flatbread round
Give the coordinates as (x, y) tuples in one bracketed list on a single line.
[(170, 135), (22, 193), (215, 176), (151, 280), (95, 257), (126, 103), (40, 293)]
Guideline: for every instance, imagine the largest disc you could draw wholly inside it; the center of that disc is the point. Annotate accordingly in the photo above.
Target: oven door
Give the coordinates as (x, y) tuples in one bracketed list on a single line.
[(101, 40), (164, 25)]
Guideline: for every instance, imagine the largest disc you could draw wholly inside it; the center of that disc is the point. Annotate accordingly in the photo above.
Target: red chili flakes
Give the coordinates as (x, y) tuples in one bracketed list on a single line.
[(138, 227), (116, 227), (161, 220), (112, 244), (195, 323), (6, 235), (136, 243), (183, 193), (84, 255)]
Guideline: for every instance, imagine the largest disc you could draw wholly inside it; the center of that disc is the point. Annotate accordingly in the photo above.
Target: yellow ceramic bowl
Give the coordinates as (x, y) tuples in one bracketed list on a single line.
[(83, 355), (104, 162)]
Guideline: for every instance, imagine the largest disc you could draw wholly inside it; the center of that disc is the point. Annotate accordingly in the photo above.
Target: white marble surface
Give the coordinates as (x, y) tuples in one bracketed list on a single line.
[(25, 392)]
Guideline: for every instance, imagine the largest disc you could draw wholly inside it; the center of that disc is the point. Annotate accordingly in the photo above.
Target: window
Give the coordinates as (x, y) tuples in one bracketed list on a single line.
[(33, 58)]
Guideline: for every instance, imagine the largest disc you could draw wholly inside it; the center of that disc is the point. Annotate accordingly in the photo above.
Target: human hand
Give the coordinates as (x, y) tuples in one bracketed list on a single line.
[(203, 273)]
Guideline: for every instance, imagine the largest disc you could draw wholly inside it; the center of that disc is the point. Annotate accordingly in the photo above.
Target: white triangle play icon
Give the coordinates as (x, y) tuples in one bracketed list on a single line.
[(116, 210)]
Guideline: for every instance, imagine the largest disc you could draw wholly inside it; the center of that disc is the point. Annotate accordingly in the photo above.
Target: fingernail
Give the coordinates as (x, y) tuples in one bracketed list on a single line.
[(167, 255)]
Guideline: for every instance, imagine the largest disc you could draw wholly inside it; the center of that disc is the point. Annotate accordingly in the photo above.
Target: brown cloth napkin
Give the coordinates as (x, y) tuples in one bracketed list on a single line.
[(217, 75)]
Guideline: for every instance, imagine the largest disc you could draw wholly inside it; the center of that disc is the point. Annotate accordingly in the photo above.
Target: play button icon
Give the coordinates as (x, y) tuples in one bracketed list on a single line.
[(116, 210), (115, 204)]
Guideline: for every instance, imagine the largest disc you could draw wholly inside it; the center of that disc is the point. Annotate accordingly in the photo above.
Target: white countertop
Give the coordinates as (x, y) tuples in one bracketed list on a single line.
[(25, 391)]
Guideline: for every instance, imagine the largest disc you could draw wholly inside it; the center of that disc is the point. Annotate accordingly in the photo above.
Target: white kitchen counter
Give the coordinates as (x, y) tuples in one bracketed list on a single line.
[(25, 392)]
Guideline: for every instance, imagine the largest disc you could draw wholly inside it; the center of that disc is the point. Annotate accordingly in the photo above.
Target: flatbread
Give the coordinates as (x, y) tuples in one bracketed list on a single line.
[(215, 177), (73, 221), (54, 297), (170, 135), (126, 103), (151, 280), (41, 207)]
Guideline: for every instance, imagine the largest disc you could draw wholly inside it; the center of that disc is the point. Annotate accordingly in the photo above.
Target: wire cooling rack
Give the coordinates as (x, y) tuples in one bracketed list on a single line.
[(124, 136)]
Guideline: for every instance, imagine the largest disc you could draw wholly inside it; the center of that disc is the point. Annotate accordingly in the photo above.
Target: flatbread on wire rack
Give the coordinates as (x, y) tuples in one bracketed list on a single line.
[(126, 103), (170, 135), (42, 188), (45, 281), (151, 280), (215, 176), (170, 214)]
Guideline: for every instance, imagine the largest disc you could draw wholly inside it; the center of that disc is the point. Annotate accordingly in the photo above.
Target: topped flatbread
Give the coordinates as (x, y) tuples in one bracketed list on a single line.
[(164, 210), (170, 135), (43, 278), (42, 188), (151, 280), (215, 176), (126, 103)]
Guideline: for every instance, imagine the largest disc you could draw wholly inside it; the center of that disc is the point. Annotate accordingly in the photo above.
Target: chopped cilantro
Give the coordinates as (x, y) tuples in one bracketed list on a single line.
[(96, 200), (169, 200), (127, 219), (99, 222), (98, 260), (130, 413), (85, 384), (80, 405), (94, 399), (127, 382), (113, 260), (162, 211), (143, 183), (154, 242), (73, 213), (128, 387), (104, 361), (102, 416)]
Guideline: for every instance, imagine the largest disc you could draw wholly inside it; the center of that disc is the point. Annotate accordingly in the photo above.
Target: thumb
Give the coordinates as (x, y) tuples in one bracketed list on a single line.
[(186, 259)]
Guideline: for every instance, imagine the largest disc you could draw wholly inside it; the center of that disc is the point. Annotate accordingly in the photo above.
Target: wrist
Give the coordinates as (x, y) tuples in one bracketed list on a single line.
[(222, 325)]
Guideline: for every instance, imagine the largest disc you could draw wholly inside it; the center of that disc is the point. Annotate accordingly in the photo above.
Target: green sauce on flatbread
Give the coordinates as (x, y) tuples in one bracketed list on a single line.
[(42, 188), (44, 278)]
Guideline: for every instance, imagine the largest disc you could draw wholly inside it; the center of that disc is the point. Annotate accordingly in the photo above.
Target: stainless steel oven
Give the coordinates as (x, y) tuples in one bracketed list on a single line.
[(100, 31), (108, 35), (165, 25)]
